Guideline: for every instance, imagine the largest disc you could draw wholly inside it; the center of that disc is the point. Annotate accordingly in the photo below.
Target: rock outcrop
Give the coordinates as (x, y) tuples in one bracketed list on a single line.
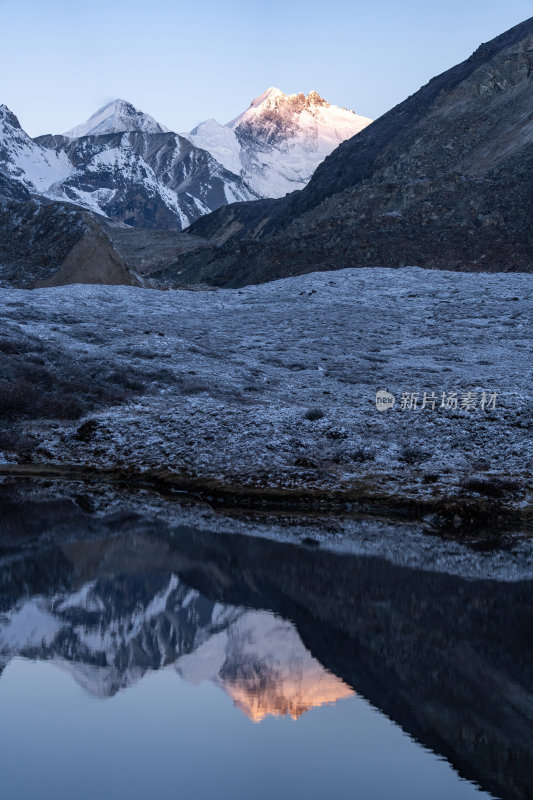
[(43, 243)]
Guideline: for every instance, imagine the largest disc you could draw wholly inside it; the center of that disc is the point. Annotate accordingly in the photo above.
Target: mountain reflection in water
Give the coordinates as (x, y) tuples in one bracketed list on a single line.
[(110, 632), (262, 664), (282, 629)]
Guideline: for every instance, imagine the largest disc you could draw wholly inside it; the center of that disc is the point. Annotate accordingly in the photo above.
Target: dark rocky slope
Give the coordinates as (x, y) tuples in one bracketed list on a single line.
[(43, 243), (147, 250), (443, 180)]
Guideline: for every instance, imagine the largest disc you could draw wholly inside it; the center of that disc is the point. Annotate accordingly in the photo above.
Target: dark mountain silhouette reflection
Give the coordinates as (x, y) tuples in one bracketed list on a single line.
[(282, 629)]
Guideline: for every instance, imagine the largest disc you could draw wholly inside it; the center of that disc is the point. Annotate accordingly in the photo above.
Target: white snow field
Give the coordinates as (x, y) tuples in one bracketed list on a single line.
[(274, 385)]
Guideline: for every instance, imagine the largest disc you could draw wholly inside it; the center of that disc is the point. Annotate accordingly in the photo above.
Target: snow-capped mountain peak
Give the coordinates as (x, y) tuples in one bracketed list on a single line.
[(271, 94), (140, 176), (276, 144), (116, 117), (274, 98), (275, 116), (123, 164)]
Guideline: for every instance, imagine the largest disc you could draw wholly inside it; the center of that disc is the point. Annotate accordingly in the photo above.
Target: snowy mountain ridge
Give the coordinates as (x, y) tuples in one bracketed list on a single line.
[(147, 179), (24, 160), (123, 164)]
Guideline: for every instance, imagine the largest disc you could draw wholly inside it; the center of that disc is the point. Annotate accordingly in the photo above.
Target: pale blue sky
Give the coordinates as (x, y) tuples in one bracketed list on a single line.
[(185, 61)]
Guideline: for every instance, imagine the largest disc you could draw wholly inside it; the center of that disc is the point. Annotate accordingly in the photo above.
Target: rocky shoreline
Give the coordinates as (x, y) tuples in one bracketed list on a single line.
[(465, 517)]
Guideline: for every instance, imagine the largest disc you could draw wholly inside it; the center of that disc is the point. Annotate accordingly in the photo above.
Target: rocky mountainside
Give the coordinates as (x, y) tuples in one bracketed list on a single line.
[(142, 177), (46, 243), (53, 244), (48, 235), (149, 180), (278, 142), (443, 180)]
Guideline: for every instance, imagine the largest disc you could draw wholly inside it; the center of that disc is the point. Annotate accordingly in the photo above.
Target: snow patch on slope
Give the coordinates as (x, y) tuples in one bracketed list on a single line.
[(219, 140)]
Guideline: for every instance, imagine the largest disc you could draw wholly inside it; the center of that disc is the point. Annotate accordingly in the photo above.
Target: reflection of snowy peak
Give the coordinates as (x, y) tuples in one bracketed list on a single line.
[(277, 143), (261, 662), (108, 634), (115, 117)]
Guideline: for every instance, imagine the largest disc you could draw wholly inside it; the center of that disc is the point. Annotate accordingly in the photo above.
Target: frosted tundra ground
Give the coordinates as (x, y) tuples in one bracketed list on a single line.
[(222, 381)]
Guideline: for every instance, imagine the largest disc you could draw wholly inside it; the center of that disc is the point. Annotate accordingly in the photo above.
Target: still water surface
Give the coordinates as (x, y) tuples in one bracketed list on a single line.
[(166, 737), (201, 666)]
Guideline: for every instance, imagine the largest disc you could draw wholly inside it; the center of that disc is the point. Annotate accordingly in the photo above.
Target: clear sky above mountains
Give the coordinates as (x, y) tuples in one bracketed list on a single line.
[(183, 62)]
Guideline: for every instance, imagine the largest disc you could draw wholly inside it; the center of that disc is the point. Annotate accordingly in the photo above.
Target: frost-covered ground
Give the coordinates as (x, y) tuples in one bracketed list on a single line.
[(223, 381)]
